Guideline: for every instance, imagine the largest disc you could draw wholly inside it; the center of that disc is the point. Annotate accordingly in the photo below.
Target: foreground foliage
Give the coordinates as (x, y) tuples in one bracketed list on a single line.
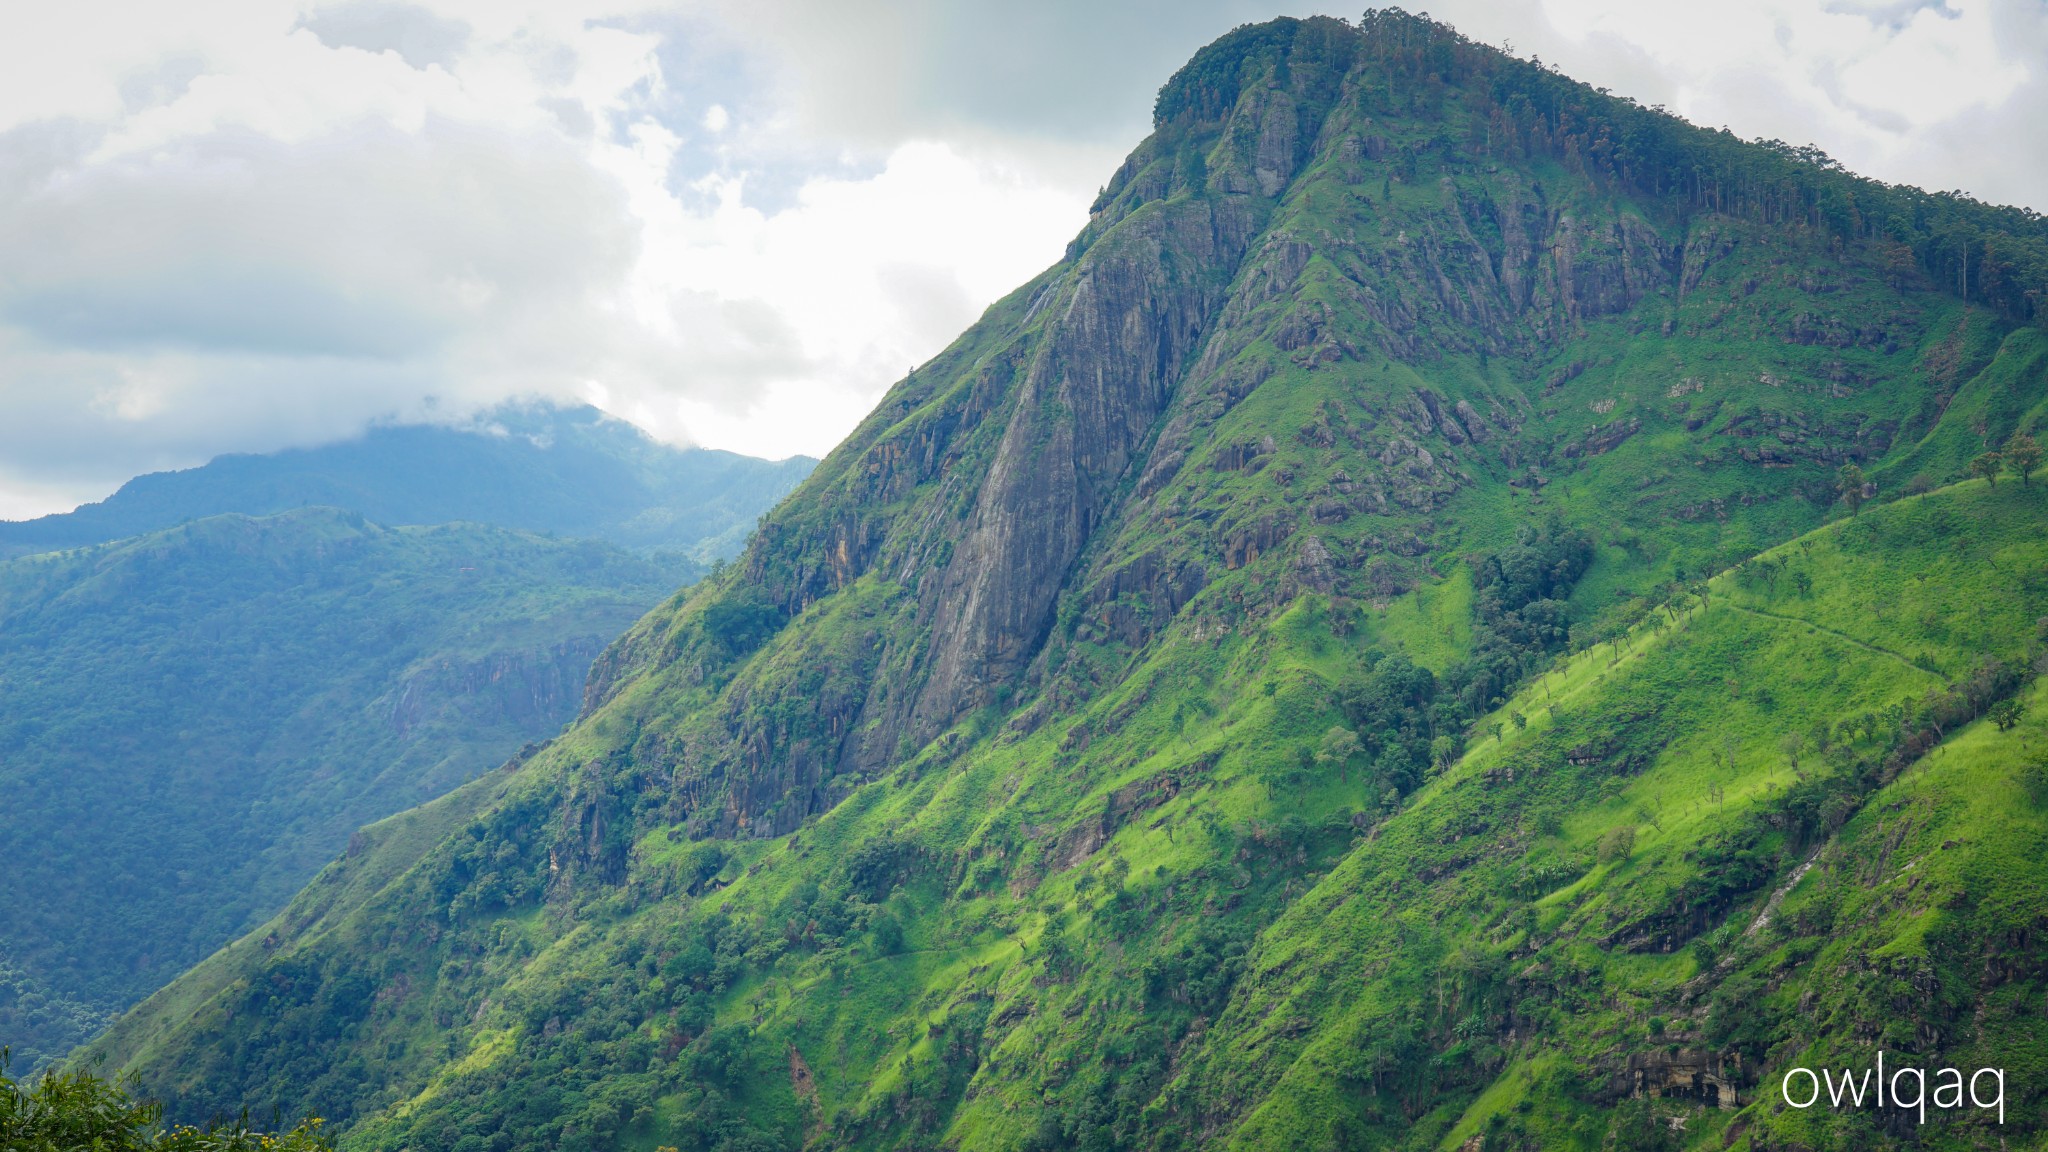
[(79, 1111)]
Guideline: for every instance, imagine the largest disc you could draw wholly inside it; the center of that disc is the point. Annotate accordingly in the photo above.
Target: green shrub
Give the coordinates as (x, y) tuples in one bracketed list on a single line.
[(1617, 844), (80, 1110), (2007, 714)]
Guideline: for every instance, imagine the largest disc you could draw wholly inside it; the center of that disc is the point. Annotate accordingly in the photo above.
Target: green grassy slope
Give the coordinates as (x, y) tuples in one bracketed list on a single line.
[(1754, 736), (192, 722), (1033, 782)]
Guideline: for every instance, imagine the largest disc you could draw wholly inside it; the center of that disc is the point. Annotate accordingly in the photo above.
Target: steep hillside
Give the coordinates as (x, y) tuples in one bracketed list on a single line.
[(568, 471), (1267, 683), (192, 723), (1765, 828)]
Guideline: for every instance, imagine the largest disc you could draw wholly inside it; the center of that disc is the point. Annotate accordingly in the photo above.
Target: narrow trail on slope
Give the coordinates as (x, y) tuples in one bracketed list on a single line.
[(1843, 636)]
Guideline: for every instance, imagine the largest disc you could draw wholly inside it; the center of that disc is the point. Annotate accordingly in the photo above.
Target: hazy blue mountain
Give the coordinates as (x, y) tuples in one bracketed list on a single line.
[(569, 471)]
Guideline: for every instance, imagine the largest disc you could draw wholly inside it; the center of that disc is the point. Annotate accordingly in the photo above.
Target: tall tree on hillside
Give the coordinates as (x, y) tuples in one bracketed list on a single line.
[(1850, 483), (2023, 454), (1985, 467), (1339, 745)]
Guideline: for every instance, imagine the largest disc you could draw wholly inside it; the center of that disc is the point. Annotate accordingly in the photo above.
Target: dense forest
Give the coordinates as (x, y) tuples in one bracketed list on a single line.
[(192, 722)]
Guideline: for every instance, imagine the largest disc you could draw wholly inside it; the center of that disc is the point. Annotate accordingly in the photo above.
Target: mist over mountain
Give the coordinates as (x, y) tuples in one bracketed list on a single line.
[(537, 468), (1464, 613)]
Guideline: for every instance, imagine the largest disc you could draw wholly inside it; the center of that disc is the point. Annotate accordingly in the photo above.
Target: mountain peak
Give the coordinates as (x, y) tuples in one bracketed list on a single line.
[(1413, 229)]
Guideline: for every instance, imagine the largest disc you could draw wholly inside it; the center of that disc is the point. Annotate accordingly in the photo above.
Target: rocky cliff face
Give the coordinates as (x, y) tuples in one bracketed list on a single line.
[(534, 690), (1125, 326)]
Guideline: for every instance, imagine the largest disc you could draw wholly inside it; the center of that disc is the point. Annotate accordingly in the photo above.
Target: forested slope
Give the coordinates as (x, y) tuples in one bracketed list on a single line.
[(1414, 634), (192, 723)]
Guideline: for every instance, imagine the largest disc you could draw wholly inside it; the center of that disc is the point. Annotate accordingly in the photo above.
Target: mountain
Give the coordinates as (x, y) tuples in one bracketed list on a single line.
[(538, 468), (1452, 618), (193, 721)]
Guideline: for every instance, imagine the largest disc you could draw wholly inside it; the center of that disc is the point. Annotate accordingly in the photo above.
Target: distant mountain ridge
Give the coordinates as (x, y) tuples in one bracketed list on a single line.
[(572, 471)]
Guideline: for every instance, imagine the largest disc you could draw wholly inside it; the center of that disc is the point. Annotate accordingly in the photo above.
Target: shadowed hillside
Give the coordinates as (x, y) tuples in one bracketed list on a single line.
[(192, 722)]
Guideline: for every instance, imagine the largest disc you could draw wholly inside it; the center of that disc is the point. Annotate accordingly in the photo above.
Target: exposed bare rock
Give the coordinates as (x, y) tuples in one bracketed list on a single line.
[(1102, 376)]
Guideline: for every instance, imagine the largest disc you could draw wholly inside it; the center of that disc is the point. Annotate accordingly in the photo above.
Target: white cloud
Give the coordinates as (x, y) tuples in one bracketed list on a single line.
[(1939, 93), (419, 36), (243, 224), (858, 281), (283, 223)]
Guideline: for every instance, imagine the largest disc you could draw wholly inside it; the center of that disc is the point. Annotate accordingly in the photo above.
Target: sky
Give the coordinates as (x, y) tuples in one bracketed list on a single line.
[(244, 225)]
